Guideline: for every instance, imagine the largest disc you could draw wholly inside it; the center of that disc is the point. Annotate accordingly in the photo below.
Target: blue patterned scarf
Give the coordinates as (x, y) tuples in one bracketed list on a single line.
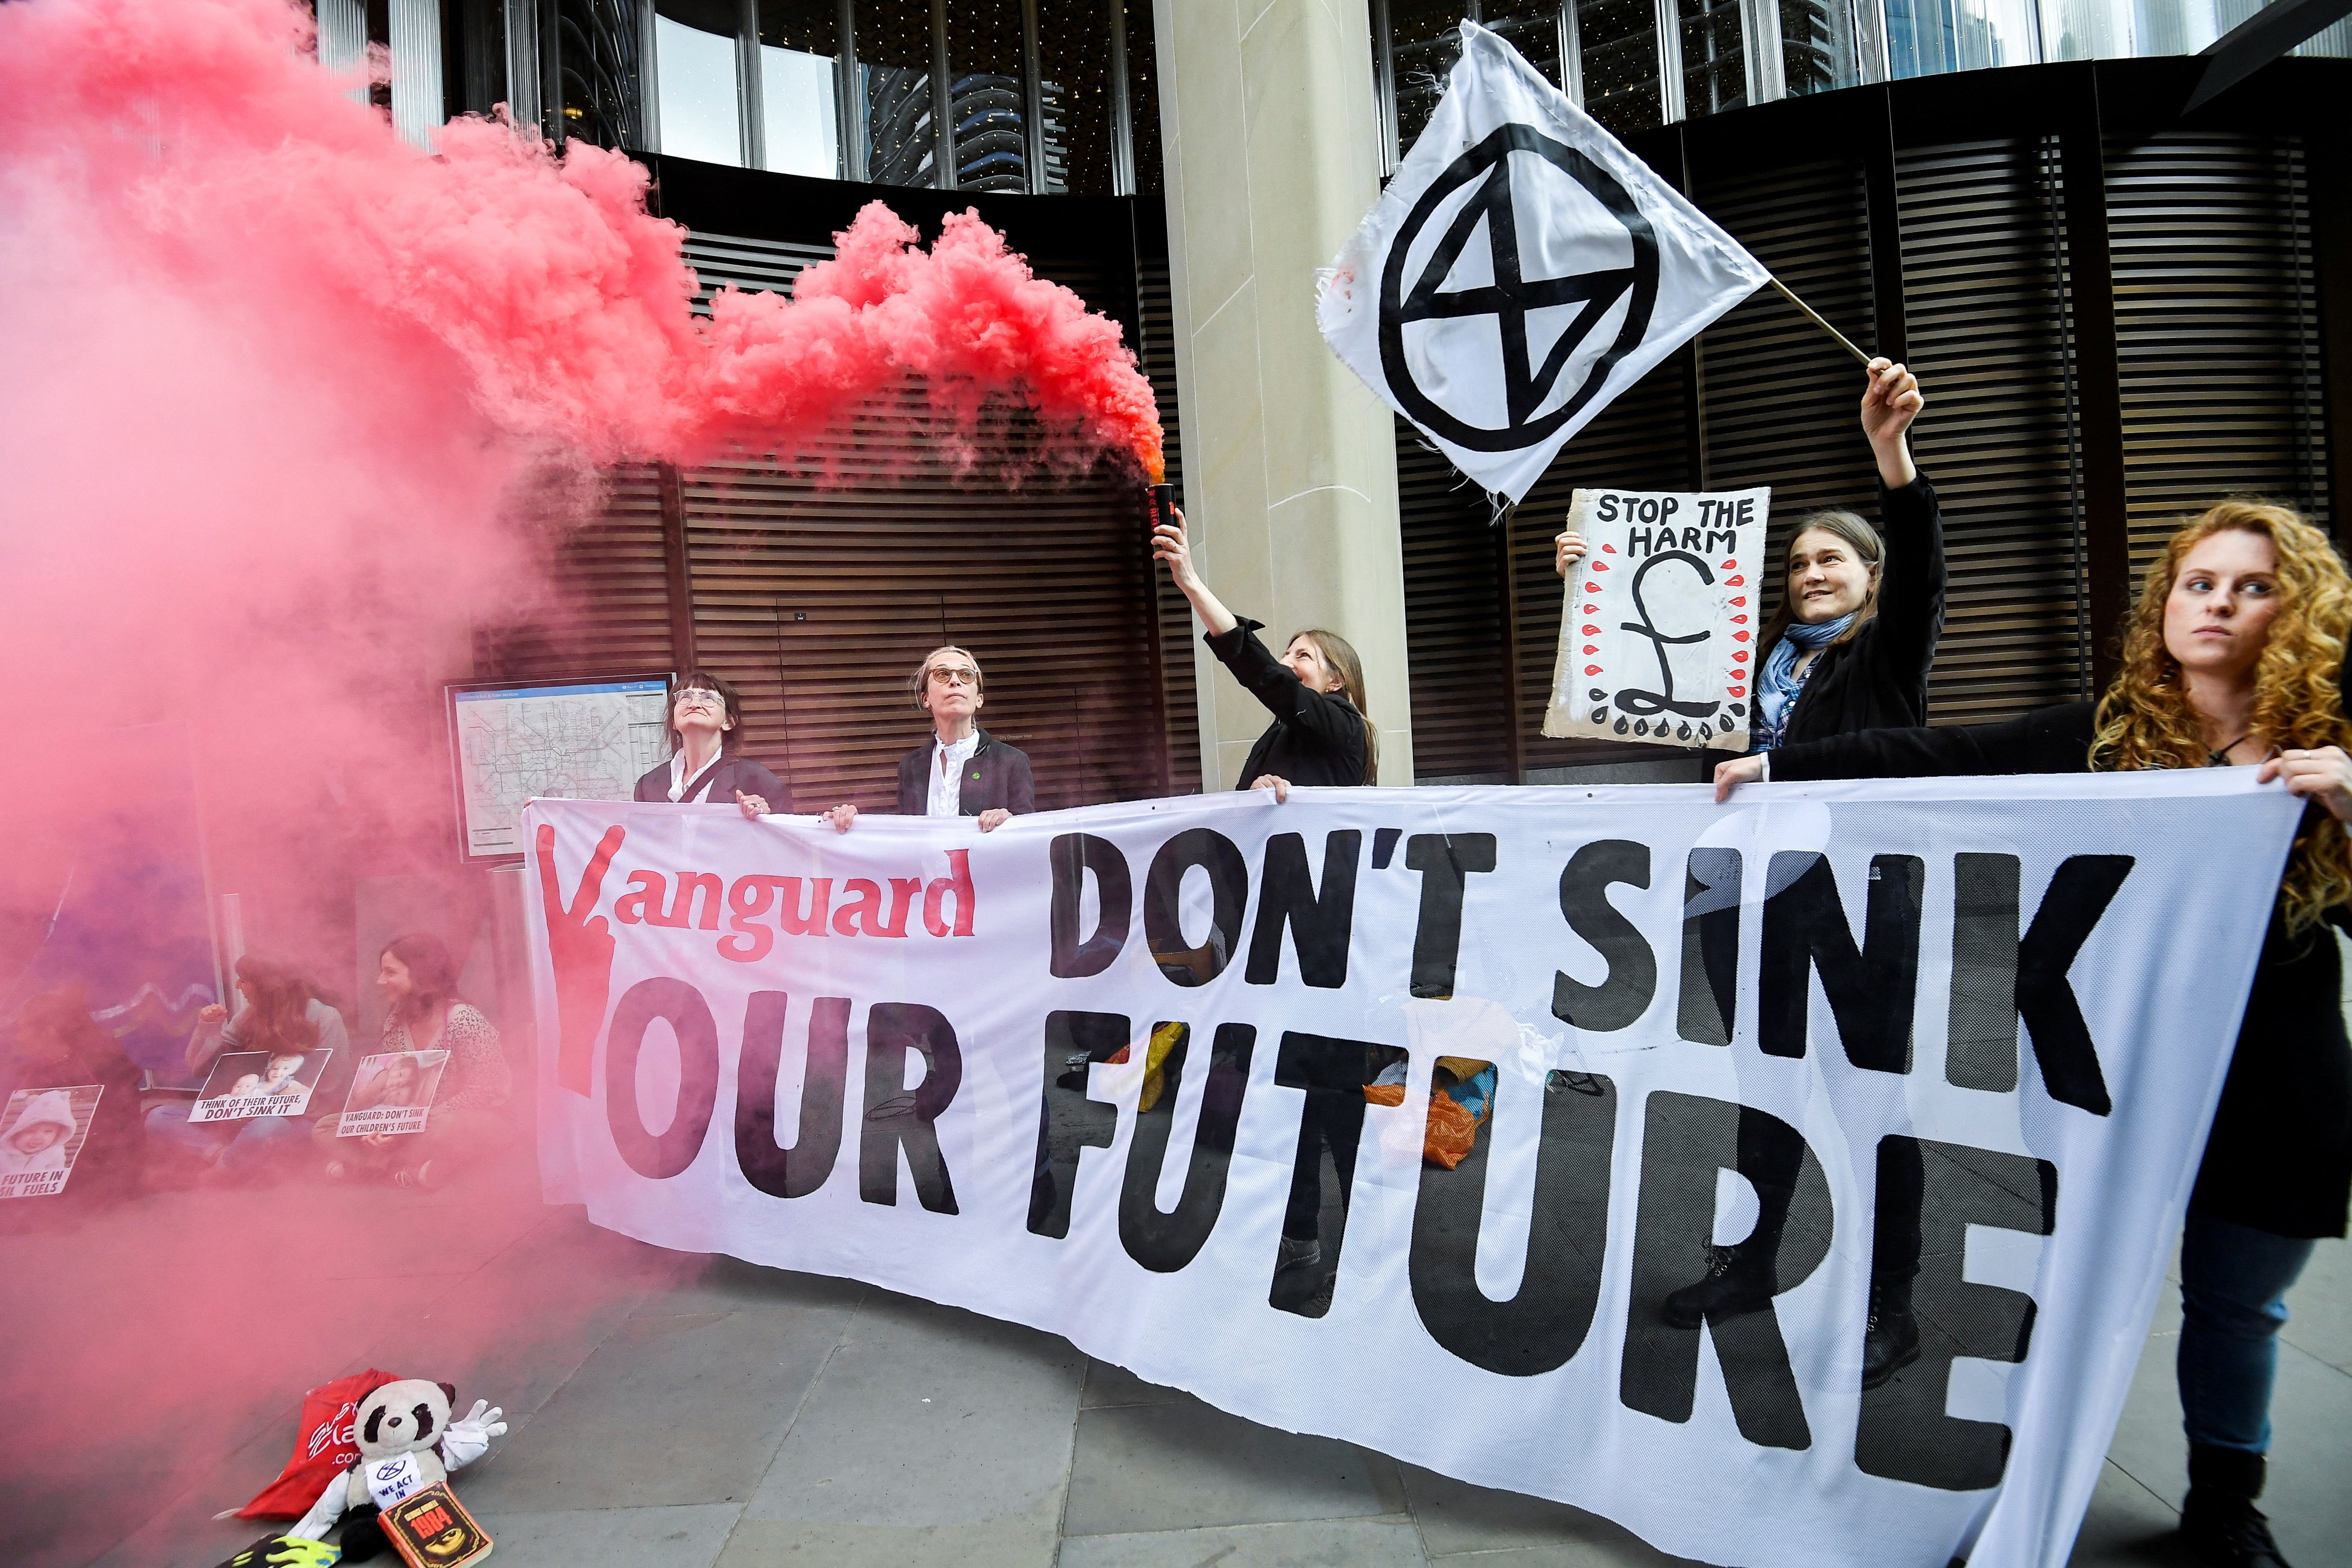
[(1778, 683)]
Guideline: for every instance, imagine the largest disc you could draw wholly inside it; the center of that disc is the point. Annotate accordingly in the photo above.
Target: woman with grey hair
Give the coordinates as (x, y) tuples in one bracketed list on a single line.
[(962, 770)]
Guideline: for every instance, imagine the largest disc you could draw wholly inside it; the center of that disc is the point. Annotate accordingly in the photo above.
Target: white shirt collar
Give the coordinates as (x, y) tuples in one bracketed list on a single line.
[(678, 775)]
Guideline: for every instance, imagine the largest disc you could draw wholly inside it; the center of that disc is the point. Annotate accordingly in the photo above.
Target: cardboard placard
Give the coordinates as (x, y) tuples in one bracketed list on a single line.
[(1657, 630), (391, 1093), (42, 1134), (245, 1084)]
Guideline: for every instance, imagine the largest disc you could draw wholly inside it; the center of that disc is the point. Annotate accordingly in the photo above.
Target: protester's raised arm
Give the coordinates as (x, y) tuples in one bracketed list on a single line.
[(1889, 403), (1171, 544)]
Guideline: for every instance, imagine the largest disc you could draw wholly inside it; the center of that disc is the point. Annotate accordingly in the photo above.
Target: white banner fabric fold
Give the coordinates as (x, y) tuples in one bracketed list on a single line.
[(1521, 270), (1158, 1077)]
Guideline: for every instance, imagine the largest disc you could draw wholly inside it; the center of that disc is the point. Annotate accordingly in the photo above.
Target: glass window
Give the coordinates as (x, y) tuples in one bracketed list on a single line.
[(1424, 41), (695, 60), (1715, 55), (1817, 49), (1074, 95), (1928, 37), (1143, 94), (894, 67), (2332, 42), (798, 40), (1531, 26), (2073, 29), (1617, 44), (987, 97)]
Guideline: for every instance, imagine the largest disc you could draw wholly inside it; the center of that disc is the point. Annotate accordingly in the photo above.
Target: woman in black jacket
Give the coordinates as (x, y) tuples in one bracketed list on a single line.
[(705, 724), (1321, 734), (962, 770), (1861, 608), (2234, 656)]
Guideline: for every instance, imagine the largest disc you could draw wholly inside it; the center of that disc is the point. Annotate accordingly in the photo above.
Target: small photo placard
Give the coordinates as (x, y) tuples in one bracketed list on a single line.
[(245, 1084), (42, 1131), (391, 1093)]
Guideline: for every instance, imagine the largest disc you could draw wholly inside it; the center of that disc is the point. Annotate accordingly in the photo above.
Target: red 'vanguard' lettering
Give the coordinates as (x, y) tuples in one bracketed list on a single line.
[(803, 907)]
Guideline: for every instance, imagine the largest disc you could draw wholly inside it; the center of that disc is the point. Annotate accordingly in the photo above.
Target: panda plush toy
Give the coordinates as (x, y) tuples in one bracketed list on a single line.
[(407, 1442)]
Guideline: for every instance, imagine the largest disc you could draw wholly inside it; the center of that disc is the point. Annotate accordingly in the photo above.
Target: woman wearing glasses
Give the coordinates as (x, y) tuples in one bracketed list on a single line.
[(962, 770), (705, 724)]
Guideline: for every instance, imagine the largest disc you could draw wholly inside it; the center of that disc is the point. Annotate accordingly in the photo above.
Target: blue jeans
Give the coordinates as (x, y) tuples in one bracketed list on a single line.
[(2234, 1285), (236, 1148)]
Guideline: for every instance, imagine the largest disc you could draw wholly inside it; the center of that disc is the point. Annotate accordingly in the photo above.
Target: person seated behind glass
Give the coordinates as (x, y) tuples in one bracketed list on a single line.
[(962, 770), (280, 1013), (705, 729)]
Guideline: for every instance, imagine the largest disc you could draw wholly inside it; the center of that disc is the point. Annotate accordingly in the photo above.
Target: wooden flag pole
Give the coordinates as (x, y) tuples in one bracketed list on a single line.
[(1812, 316)]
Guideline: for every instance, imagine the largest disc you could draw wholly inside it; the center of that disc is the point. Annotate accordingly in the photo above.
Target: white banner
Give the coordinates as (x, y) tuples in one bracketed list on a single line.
[(1521, 270), (1658, 619), (1192, 1083)]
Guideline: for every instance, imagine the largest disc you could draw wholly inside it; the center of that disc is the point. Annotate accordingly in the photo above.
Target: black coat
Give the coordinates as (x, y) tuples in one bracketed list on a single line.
[(2280, 1155), (729, 774), (996, 776), (1877, 678), (1316, 738)]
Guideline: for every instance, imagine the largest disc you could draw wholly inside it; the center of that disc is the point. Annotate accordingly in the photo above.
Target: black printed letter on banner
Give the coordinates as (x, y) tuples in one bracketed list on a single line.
[(1871, 989), (1998, 979), (1685, 1138), (1068, 1119), (1905, 1435), (1624, 993), (1163, 911), (1165, 1242), (1544, 1324), (1074, 855), (800, 1169), (896, 1117), (1445, 862), (689, 1016), (1320, 927)]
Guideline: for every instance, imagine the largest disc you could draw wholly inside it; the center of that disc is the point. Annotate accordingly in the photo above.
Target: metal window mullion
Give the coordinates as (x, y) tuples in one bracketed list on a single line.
[(1033, 97), (750, 107), (1122, 106), (1384, 86), (415, 45), (1869, 39), (849, 94), (1571, 59), (943, 168), (1760, 29), (648, 82), (1670, 62), (342, 41)]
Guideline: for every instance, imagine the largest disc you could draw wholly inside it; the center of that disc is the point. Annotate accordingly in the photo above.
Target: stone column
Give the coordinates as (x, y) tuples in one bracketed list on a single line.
[(1273, 158)]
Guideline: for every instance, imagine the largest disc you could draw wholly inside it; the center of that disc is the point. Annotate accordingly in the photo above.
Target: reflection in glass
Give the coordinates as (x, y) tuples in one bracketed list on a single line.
[(596, 43), (1926, 38), (1531, 26), (1715, 55), (1143, 95), (2075, 29), (1617, 44), (986, 96), (1818, 52), (798, 42), (694, 58), (1423, 44), (894, 67), (1074, 87)]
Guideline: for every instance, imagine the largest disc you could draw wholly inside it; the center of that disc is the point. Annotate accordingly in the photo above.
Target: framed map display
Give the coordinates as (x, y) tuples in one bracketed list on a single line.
[(513, 742)]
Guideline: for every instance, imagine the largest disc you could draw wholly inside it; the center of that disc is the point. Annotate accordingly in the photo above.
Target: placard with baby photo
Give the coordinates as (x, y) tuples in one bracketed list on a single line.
[(391, 1093), (41, 1135), (245, 1084)]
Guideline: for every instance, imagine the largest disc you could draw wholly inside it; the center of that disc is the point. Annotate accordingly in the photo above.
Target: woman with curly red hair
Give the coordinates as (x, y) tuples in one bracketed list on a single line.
[(2234, 657)]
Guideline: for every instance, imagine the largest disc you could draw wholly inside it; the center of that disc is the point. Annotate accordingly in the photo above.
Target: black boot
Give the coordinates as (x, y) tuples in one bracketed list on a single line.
[(2220, 1520), (1892, 1343), (1740, 1280)]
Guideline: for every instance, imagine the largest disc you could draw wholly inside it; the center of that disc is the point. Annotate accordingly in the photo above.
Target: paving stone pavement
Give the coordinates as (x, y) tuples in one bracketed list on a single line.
[(675, 1410)]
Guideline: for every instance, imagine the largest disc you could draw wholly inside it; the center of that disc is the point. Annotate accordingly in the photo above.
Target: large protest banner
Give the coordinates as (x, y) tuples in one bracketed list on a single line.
[(1158, 1077)]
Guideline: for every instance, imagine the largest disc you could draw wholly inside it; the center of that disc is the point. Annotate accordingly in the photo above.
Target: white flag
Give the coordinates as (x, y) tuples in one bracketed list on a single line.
[(1657, 628), (1521, 269)]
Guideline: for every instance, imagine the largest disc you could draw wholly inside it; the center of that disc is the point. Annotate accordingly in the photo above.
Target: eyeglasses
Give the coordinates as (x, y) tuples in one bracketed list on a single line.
[(955, 675), (696, 694)]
